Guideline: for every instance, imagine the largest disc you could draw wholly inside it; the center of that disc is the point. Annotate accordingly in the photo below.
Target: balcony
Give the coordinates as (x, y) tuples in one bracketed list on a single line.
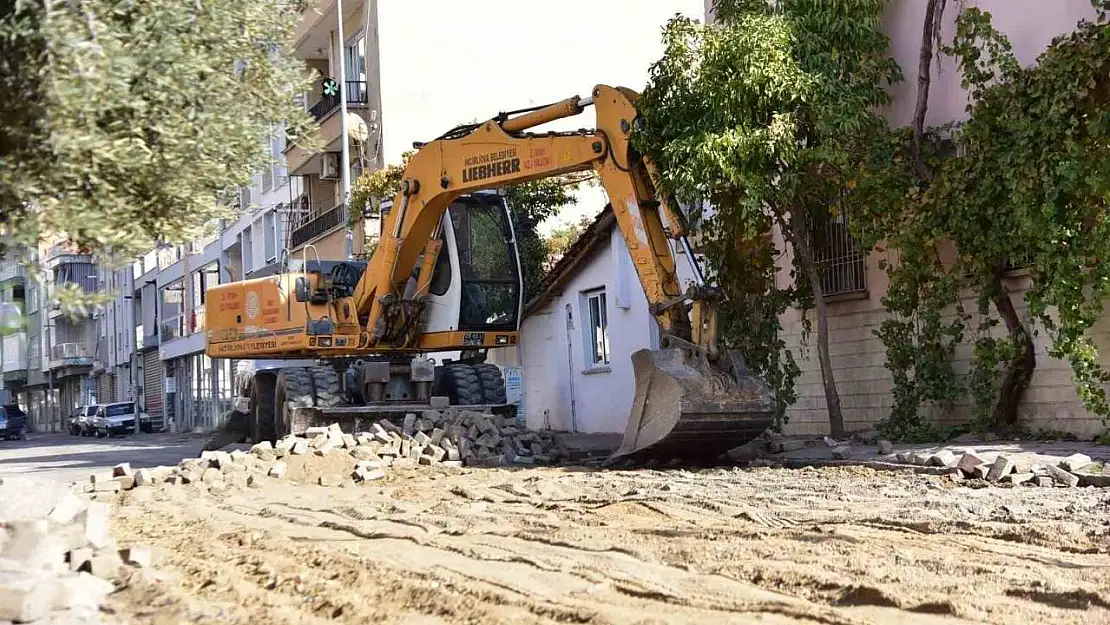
[(357, 95), (328, 132), (317, 226), (70, 355), (15, 357), (62, 253), (311, 32), (10, 270)]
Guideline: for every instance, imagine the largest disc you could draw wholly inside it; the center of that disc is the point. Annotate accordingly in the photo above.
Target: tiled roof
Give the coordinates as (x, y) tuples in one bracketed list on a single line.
[(593, 238)]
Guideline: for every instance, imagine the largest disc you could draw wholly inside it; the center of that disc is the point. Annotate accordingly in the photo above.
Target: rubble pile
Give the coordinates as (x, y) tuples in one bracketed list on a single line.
[(450, 438), (1068, 472), (57, 560)]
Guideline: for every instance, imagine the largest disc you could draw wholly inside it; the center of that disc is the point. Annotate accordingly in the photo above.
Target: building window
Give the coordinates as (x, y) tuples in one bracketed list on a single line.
[(597, 328), (354, 63), (269, 234), (842, 263), (173, 297)]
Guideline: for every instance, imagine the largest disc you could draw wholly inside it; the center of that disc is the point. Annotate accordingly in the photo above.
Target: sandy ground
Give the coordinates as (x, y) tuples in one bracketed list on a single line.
[(583, 545)]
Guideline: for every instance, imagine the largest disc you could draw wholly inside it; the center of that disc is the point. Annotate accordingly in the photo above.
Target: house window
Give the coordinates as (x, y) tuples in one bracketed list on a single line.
[(597, 328), (842, 263), (354, 63)]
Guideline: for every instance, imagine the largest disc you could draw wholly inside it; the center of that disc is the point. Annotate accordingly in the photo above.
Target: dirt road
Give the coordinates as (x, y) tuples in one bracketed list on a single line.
[(432, 545)]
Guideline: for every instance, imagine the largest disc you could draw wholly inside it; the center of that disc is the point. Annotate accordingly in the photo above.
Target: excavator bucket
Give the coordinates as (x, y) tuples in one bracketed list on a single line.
[(687, 408)]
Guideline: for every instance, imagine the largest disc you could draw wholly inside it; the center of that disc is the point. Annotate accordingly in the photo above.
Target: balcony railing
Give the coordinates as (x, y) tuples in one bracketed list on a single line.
[(11, 271), (15, 352), (357, 94), (318, 226), (72, 354), (172, 329)]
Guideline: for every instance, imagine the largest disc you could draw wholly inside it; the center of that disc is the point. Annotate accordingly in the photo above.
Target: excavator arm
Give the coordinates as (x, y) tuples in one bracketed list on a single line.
[(691, 399), (500, 152)]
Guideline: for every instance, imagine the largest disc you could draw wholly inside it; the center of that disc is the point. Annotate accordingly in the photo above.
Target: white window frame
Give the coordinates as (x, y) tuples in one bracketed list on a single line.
[(598, 349)]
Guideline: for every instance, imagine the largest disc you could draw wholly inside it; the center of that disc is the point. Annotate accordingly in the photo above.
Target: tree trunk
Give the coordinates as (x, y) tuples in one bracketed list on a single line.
[(802, 247), (933, 12), (1020, 369)]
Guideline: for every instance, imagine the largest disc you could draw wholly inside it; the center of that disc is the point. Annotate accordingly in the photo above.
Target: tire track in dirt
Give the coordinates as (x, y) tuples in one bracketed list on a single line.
[(827, 546), (619, 572)]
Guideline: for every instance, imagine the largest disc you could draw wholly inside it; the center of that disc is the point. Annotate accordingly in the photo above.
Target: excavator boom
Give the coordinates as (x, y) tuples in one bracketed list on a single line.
[(691, 400)]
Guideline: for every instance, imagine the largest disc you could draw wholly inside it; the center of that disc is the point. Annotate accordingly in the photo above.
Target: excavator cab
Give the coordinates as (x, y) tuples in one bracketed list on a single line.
[(476, 285)]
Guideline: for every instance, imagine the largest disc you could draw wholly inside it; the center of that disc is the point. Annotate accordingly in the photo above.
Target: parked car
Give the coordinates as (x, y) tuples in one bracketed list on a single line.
[(13, 423), (120, 418), (80, 422)]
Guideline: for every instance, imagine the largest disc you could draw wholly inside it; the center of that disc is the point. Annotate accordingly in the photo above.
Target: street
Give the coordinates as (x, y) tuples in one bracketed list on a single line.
[(70, 458), (578, 543)]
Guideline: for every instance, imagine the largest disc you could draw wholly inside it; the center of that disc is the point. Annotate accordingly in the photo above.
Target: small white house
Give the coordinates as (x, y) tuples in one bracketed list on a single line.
[(579, 332)]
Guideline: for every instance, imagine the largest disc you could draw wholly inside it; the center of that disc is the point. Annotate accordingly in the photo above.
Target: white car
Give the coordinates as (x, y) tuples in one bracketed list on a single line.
[(120, 418), (80, 422)]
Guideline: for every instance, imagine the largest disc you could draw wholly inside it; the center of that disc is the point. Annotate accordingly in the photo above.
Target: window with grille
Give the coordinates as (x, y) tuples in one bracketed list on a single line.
[(842, 263)]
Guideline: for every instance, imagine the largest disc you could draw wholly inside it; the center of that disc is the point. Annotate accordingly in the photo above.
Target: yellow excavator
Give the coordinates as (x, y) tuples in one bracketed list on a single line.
[(445, 277)]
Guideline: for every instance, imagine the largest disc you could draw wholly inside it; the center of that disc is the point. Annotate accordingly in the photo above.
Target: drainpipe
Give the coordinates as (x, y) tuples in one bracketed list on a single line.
[(344, 155)]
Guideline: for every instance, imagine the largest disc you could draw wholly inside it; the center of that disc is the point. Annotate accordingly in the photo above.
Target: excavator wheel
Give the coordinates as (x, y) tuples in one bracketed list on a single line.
[(325, 382), (493, 383), (462, 384), (262, 408), (292, 390)]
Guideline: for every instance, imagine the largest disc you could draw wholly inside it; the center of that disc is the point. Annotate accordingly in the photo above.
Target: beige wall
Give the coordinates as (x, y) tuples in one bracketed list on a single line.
[(858, 355)]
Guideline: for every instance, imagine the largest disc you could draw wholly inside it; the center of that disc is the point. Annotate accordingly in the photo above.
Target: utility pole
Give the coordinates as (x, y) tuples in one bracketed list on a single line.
[(344, 153)]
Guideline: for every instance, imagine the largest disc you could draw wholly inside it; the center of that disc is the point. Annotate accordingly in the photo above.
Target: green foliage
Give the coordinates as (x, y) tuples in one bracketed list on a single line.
[(764, 113), (560, 239), (530, 204), (374, 186), (1026, 177), (122, 121)]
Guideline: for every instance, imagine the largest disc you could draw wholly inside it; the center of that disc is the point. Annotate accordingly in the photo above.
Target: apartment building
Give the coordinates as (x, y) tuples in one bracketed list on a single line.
[(147, 344), (46, 363), (346, 51)]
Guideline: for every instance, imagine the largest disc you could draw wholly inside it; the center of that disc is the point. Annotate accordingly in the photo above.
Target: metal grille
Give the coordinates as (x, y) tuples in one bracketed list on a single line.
[(1015, 263), (842, 263)]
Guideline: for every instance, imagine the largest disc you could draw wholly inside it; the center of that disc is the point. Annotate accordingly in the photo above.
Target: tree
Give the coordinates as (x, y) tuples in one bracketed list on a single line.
[(1025, 179), (123, 121), (530, 203), (560, 239), (764, 113)]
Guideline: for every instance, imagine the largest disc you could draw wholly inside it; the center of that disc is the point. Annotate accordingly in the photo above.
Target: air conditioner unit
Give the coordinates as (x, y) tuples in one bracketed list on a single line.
[(329, 166)]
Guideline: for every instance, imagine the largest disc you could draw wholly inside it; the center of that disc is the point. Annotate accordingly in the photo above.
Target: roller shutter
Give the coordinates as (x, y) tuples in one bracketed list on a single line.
[(152, 388), (105, 388)]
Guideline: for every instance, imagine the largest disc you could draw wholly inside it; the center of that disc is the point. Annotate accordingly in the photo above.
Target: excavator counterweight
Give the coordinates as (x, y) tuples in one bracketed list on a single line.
[(445, 276)]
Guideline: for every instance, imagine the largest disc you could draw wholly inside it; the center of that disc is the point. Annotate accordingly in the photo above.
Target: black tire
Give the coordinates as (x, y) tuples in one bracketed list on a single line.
[(325, 383), (462, 384), (293, 389), (493, 384), (263, 426)]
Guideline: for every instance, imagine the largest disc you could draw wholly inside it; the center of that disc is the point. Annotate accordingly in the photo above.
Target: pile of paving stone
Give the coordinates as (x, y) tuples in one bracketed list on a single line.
[(1068, 472), (57, 557), (451, 438)]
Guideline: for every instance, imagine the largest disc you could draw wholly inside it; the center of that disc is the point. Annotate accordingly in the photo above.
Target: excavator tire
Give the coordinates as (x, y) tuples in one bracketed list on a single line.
[(293, 389), (690, 409), (262, 408), (462, 384), (493, 383), (325, 382)]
